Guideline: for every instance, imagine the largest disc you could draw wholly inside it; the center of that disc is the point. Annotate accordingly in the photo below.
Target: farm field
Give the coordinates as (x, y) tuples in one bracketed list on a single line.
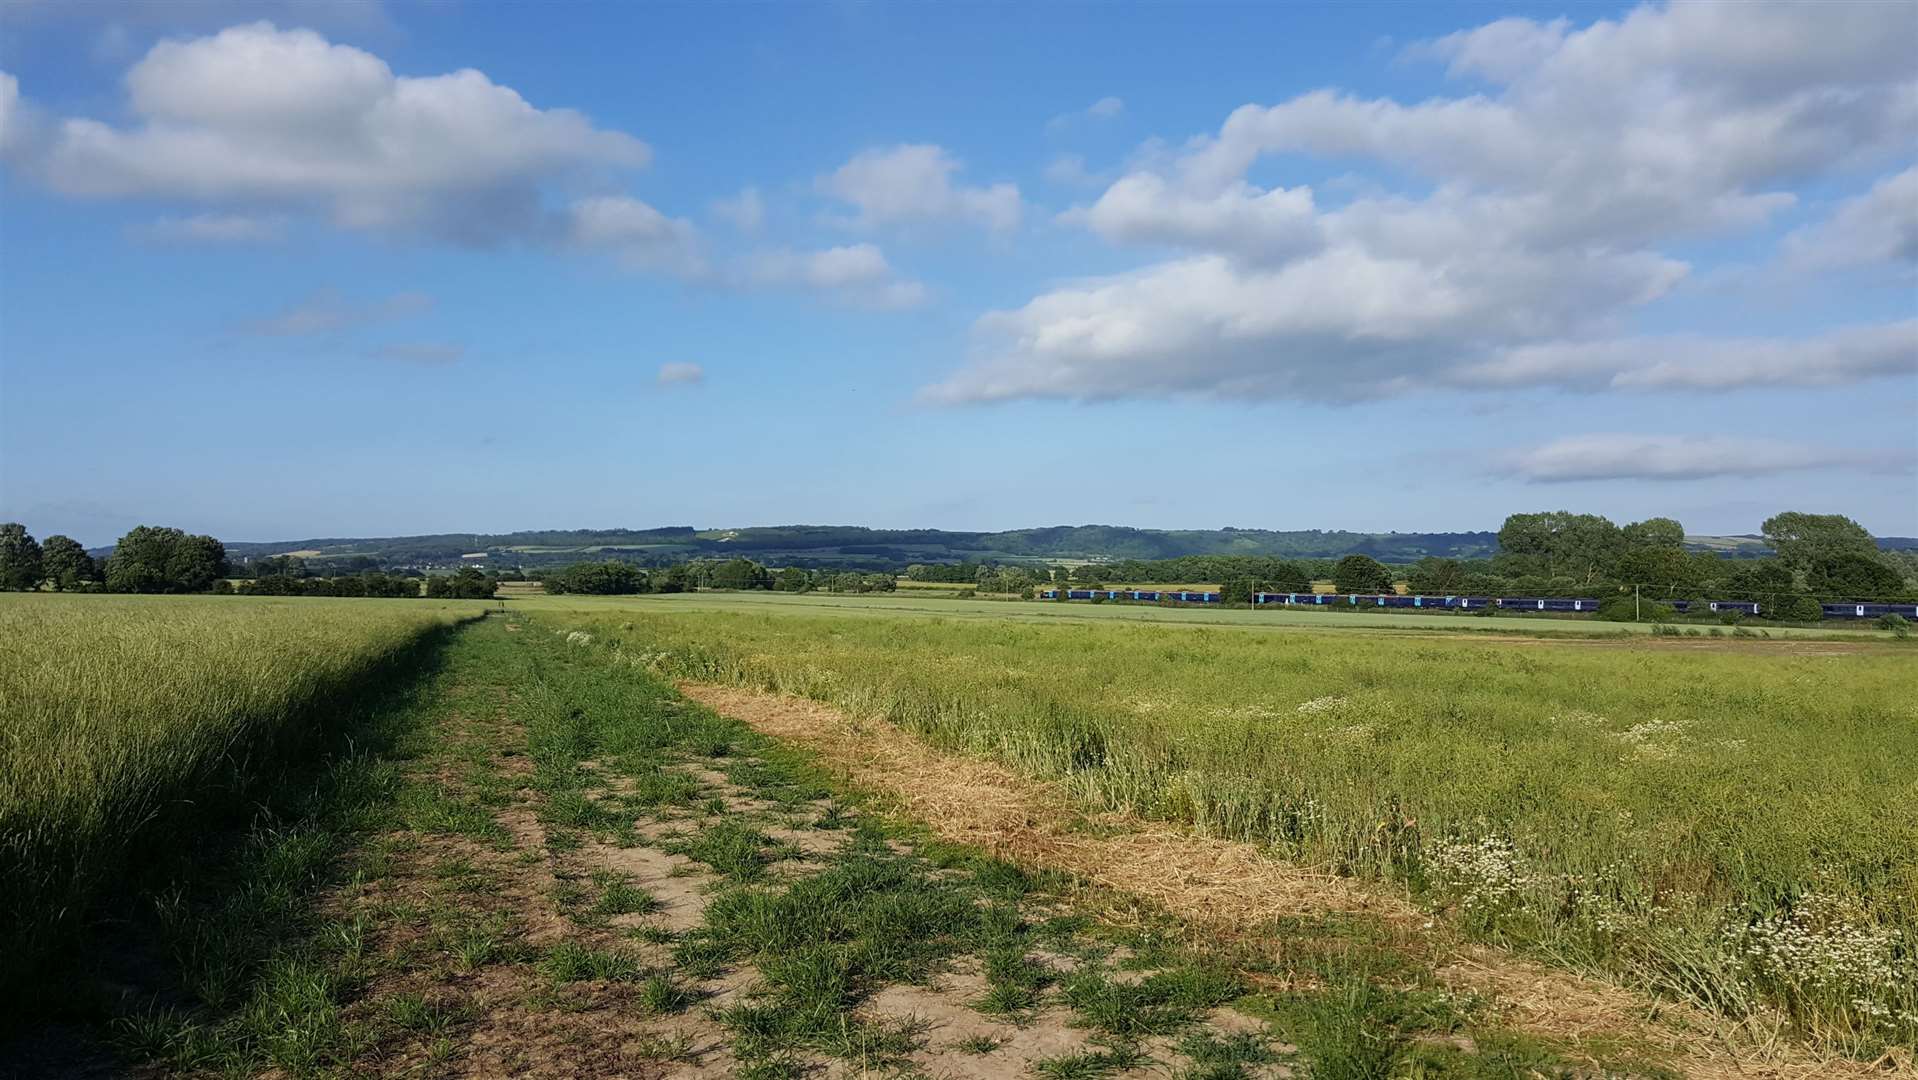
[(1727, 823), (896, 605), (350, 837), (128, 717)]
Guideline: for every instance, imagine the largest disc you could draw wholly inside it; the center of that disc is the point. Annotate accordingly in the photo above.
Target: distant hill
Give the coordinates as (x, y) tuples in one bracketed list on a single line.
[(854, 547)]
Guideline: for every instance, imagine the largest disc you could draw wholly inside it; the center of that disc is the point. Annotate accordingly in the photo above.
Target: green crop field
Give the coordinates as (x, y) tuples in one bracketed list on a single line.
[(897, 605), (127, 718), (1729, 822)]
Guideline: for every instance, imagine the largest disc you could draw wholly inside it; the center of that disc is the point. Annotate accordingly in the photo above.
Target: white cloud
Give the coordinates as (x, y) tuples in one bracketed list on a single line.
[(212, 228), (422, 353), (908, 184), (681, 374), (1069, 170), (641, 237), (328, 311), (1530, 229), (1106, 108), (856, 274), (1675, 457), (258, 116), (1695, 363), (1258, 226), (746, 210), (1880, 226)]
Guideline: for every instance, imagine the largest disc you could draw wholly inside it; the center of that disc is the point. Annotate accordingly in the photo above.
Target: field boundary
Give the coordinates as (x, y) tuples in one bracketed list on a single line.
[(1231, 886)]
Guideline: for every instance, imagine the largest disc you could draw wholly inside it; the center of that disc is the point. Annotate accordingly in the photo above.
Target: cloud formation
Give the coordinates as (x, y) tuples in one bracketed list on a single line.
[(329, 311), (680, 374), (856, 274), (912, 184), (212, 228), (256, 116), (1672, 457), (1534, 219), (422, 353)]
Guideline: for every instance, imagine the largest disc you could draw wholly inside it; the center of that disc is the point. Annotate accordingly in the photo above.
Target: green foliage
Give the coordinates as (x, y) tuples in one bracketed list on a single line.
[(1802, 539), (153, 559), (740, 574), (1853, 575), (1627, 608), (468, 583), (66, 564), (20, 558), (1579, 546), (598, 579), (1437, 577), (1361, 574)]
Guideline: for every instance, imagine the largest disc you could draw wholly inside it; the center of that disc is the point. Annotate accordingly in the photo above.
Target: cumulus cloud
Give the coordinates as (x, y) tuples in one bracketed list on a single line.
[(856, 274), (328, 311), (680, 374), (1103, 109), (1531, 224), (1697, 363), (212, 228), (1674, 457), (746, 210), (910, 184), (1880, 226), (256, 116), (636, 234)]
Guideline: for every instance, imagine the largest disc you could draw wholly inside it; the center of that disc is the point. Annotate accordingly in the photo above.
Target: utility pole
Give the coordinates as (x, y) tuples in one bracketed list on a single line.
[(1634, 601)]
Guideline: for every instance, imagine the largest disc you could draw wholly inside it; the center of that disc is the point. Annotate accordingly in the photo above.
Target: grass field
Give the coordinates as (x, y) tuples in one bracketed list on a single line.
[(132, 721), (1729, 822), (896, 605)]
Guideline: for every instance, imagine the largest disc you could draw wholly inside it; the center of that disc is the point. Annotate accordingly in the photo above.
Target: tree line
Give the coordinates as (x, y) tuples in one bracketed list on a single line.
[(158, 559), (611, 578)]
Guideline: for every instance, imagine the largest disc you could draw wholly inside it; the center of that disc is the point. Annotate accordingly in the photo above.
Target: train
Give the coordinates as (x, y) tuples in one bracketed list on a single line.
[(1846, 610)]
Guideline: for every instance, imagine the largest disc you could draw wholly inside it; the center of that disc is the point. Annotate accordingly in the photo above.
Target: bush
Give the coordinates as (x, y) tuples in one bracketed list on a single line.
[(1897, 624), (1793, 609), (1620, 609)]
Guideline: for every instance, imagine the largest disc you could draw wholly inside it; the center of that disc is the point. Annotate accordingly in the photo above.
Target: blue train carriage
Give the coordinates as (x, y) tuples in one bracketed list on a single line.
[(1868, 611), (1545, 603)]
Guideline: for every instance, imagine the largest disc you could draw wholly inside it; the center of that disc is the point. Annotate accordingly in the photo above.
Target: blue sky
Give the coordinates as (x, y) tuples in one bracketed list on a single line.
[(301, 269)]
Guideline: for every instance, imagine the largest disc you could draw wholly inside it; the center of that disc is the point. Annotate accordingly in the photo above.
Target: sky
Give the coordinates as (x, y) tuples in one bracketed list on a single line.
[(281, 270)]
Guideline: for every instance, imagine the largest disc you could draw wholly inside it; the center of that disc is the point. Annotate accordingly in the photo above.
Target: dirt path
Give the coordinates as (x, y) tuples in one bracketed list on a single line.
[(591, 877), (1232, 887)]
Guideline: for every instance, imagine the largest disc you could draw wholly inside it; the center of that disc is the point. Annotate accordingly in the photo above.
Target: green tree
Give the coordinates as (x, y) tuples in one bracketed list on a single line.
[(740, 574), (794, 579), (1853, 575), (1433, 576), (1562, 544), (153, 559), (1801, 539), (66, 564), (20, 558), (1653, 534), (1361, 574)]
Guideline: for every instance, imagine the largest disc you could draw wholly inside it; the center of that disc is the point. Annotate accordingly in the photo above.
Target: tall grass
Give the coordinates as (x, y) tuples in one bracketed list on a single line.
[(127, 724), (1735, 828)]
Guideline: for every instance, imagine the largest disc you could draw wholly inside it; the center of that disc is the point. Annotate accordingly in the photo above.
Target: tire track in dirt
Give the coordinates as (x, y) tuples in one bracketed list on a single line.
[(1228, 887)]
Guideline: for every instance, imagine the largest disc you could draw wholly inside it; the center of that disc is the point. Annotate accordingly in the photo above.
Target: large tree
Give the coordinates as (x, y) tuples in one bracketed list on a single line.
[(1852, 575), (152, 559), (20, 566), (1653, 534), (1563, 544), (1361, 574), (66, 563), (1801, 539)]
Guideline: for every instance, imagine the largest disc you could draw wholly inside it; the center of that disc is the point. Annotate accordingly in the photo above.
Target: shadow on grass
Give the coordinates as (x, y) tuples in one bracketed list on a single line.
[(209, 912)]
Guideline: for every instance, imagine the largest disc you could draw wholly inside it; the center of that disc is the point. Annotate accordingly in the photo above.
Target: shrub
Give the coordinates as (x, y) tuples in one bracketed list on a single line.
[(1621, 609), (1895, 623)]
